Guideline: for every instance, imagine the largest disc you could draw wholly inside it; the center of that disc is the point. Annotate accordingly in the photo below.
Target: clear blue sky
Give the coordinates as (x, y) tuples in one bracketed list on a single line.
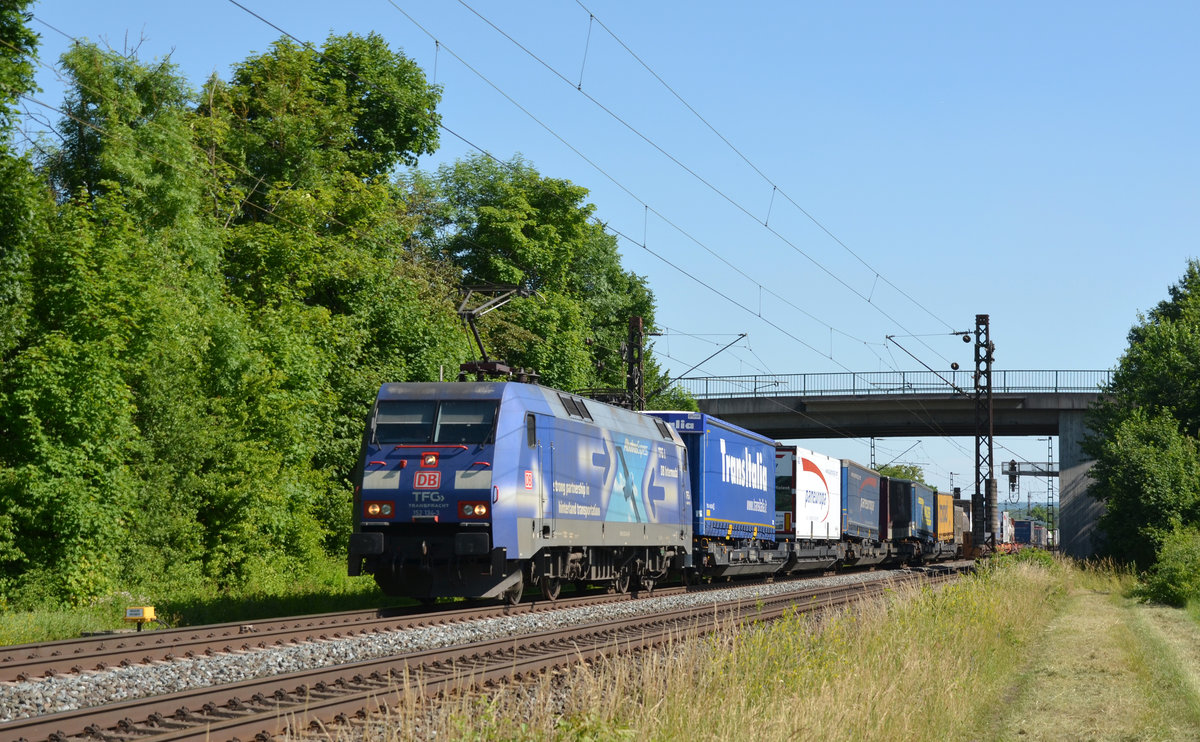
[(918, 163)]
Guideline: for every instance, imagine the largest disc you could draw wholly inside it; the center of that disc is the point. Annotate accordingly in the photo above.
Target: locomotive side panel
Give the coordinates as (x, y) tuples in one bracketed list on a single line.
[(604, 486)]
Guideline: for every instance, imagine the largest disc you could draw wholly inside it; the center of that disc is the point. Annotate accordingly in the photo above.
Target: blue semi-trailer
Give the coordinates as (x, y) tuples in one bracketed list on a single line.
[(732, 475)]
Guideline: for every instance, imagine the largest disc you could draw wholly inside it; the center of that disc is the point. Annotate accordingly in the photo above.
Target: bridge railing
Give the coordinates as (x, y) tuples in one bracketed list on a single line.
[(892, 382)]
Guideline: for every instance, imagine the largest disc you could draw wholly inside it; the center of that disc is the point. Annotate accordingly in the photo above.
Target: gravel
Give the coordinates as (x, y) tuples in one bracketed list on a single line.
[(90, 689)]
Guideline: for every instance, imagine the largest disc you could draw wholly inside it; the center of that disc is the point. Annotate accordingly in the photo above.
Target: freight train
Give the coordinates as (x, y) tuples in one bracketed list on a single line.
[(482, 489)]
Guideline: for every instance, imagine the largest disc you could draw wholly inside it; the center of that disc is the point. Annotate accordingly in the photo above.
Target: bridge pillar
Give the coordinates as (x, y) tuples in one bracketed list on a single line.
[(1079, 512)]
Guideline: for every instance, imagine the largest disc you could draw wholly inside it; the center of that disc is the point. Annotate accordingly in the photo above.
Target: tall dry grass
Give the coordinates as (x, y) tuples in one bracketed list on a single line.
[(920, 663)]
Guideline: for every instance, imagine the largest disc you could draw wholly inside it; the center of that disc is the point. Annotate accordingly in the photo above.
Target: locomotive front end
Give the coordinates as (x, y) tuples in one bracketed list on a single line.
[(424, 492)]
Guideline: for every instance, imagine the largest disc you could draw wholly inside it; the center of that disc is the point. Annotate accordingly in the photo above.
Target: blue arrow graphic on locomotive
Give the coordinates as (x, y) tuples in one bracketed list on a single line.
[(630, 492)]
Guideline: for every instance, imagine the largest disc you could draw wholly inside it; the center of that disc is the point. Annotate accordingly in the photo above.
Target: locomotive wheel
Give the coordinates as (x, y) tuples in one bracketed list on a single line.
[(551, 586), (512, 595)]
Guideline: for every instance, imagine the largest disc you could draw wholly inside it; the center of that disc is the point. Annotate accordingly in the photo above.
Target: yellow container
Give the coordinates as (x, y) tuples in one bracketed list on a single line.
[(945, 517)]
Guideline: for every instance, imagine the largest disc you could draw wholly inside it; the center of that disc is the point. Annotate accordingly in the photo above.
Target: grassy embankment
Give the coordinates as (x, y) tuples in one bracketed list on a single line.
[(325, 589), (1029, 650)]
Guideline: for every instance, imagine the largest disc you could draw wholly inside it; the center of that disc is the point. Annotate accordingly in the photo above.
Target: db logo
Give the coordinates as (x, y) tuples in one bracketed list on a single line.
[(427, 480), (528, 479)]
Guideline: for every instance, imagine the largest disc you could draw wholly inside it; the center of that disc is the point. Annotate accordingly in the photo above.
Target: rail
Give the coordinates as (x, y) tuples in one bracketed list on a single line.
[(893, 382)]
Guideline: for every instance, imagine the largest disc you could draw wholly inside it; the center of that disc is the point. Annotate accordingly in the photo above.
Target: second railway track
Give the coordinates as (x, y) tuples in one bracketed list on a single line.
[(265, 706)]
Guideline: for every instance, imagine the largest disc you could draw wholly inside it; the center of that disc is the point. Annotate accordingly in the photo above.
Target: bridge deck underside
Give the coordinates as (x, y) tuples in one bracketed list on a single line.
[(786, 418)]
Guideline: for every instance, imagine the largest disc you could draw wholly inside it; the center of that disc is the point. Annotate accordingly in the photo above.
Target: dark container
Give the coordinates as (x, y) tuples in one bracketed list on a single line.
[(861, 503)]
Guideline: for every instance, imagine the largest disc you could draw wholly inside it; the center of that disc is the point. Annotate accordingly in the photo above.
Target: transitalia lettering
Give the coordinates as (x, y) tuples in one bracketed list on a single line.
[(744, 470), (756, 506)]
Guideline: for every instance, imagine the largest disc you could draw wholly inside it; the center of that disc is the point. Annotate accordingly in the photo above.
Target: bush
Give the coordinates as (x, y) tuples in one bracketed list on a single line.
[(1175, 579)]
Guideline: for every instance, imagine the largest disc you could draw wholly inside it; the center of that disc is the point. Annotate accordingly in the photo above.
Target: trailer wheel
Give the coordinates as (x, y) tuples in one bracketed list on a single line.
[(620, 585)]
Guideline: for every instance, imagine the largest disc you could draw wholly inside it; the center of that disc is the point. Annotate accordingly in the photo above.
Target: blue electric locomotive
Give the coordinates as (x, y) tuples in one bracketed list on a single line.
[(478, 489)]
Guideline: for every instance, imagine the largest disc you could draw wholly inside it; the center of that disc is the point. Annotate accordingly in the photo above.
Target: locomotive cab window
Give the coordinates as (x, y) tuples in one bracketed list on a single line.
[(404, 421), (465, 421), (412, 422)]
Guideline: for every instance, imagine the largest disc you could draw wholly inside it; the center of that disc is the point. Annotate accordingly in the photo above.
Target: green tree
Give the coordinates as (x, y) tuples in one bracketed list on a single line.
[(506, 223), (187, 380), (1148, 474), (299, 116), (1039, 512), (1175, 578), (1144, 440), (911, 472), (22, 208)]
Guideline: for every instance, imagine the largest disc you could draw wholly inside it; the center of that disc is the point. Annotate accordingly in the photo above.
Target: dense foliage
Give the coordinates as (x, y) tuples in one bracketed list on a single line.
[(1145, 437), (201, 293), (911, 472)]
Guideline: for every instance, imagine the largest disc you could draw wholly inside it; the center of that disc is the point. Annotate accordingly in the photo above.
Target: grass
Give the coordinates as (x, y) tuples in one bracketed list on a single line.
[(1030, 648), (920, 664), (1107, 668), (324, 590)]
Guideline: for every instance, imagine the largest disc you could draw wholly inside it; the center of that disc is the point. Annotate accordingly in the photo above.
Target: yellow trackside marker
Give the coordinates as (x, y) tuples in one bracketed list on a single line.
[(140, 614)]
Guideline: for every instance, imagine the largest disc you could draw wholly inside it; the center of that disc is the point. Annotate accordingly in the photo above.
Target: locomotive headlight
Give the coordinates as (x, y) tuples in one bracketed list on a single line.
[(378, 509), (473, 510)]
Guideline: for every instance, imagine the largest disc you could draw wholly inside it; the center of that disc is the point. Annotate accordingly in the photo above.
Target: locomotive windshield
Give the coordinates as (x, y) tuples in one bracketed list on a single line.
[(424, 421)]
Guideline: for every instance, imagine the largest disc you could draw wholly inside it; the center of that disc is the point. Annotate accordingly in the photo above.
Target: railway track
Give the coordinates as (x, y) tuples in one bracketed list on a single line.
[(24, 662), (97, 653), (314, 699)]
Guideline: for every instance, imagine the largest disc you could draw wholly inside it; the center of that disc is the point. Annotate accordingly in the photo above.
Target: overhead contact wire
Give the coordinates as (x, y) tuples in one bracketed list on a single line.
[(632, 129)]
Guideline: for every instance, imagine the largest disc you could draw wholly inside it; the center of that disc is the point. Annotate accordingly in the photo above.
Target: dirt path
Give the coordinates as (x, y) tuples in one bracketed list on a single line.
[(1108, 669)]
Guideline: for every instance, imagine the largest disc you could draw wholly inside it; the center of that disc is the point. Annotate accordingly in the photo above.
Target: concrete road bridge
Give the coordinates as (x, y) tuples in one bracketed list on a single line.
[(924, 403)]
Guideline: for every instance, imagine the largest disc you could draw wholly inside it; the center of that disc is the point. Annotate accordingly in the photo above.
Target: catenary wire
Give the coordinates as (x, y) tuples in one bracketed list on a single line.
[(733, 202), (775, 187), (629, 239)]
